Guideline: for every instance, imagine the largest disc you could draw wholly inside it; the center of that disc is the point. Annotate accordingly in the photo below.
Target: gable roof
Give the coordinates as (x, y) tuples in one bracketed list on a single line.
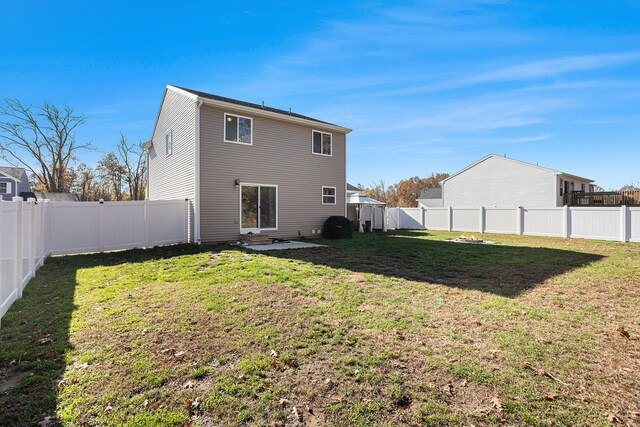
[(13, 173), (352, 187), (431, 193), (554, 171)]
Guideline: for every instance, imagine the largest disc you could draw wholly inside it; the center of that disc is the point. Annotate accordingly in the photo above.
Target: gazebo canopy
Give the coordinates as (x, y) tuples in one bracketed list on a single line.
[(360, 199)]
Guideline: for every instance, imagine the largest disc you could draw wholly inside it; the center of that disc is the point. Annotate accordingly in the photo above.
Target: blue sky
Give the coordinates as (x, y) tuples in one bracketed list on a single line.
[(426, 86)]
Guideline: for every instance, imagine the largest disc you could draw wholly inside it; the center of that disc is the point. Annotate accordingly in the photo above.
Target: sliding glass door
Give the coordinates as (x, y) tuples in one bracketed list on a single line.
[(258, 207)]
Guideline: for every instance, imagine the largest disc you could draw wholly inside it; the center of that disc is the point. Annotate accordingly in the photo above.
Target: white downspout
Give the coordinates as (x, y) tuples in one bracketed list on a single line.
[(196, 197)]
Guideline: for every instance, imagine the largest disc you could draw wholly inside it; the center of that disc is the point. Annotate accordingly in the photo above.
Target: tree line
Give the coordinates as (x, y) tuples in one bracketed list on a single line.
[(404, 193), (42, 140)]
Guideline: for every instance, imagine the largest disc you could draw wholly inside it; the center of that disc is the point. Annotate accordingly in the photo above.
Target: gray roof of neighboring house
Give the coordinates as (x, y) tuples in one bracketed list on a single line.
[(57, 197), (13, 172), (251, 105), (432, 193), (352, 187)]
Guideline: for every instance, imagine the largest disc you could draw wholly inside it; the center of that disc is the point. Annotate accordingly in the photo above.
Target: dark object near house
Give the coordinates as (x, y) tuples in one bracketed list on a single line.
[(337, 227), (28, 195)]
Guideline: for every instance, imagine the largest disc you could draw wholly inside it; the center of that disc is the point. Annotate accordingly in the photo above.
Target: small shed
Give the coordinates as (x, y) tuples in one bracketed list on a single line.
[(367, 212)]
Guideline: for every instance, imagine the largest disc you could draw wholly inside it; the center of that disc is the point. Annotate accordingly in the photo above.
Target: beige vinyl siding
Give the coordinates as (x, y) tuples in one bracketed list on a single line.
[(501, 182), (173, 177), (280, 155)]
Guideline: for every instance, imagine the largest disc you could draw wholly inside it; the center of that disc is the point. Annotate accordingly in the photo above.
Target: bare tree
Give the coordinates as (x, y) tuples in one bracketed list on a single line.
[(133, 160), (112, 175), (42, 140)]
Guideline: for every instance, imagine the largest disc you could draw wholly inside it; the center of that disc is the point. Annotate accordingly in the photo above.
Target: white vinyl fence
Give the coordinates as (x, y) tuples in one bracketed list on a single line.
[(602, 223), (30, 232)]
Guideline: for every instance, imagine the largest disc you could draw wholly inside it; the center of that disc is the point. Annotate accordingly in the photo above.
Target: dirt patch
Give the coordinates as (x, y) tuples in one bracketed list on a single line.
[(11, 379)]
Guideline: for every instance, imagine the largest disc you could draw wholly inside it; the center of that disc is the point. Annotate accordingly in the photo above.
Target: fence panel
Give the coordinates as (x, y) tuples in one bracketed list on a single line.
[(30, 231), (466, 219), (633, 221), (436, 218), (595, 223), (501, 220), (543, 222), (8, 265), (411, 218)]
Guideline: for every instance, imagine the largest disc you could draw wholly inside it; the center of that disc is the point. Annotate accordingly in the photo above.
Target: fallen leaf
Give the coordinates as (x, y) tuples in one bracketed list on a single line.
[(543, 341), (297, 414), (48, 421), (497, 404), (51, 353), (188, 384), (45, 340), (623, 332), (613, 418), (284, 402), (274, 353), (179, 355), (108, 408), (167, 350), (550, 396), (273, 363)]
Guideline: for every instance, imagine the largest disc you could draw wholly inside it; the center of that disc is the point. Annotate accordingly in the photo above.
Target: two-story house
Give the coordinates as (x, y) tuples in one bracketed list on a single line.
[(245, 167), (504, 182), (13, 182)]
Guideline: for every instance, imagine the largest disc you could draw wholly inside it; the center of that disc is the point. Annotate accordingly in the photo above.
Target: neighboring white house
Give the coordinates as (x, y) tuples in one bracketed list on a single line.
[(500, 181), (431, 198), (352, 189)]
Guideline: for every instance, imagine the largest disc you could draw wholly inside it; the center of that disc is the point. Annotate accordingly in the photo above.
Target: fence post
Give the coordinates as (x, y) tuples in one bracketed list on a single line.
[(101, 225), (520, 220), (482, 213), (46, 226), (146, 223), (424, 219), (623, 224), (32, 237), (450, 218), (385, 219), (18, 260), (566, 222)]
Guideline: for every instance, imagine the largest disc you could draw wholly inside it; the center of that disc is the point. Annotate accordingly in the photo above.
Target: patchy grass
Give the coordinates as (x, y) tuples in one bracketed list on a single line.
[(397, 329)]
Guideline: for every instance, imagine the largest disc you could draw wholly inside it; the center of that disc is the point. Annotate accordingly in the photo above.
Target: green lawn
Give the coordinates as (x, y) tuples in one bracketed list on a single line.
[(397, 329)]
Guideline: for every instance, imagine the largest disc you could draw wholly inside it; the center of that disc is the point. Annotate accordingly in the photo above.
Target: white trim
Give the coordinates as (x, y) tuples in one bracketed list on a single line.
[(321, 132), (335, 195), (253, 184), (8, 186), (224, 136), (168, 136), (196, 194), (11, 176), (515, 161)]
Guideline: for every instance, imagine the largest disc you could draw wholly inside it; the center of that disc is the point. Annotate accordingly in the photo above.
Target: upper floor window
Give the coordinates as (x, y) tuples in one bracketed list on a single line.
[(238, 129), (328, 195), (169, 142), (4, 188), (321, 143)]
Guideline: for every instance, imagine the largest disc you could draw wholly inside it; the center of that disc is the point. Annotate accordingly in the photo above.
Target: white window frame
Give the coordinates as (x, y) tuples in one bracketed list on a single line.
[(168, 143), (7, 186), (321, 132), (335, 195), (252, 184), (224, 130)]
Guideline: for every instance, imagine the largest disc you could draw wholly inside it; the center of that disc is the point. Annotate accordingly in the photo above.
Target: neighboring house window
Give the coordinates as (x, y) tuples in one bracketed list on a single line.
[(321, 143), (238, 129), (561, 188), (4, 188), (328, 195), (169, 142), (582, 185)]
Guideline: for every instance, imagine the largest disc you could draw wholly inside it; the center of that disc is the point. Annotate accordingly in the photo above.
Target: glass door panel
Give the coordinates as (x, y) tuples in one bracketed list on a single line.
[(249, 207), (268, 207)]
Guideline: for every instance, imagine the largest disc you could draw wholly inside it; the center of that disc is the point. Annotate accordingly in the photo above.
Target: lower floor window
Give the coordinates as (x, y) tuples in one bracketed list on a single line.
[(328, 195), (4, 188)]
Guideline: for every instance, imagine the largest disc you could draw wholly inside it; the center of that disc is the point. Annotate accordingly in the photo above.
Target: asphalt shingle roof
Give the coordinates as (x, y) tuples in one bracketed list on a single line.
[(14, 172), (432, 193), (251, 105)]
